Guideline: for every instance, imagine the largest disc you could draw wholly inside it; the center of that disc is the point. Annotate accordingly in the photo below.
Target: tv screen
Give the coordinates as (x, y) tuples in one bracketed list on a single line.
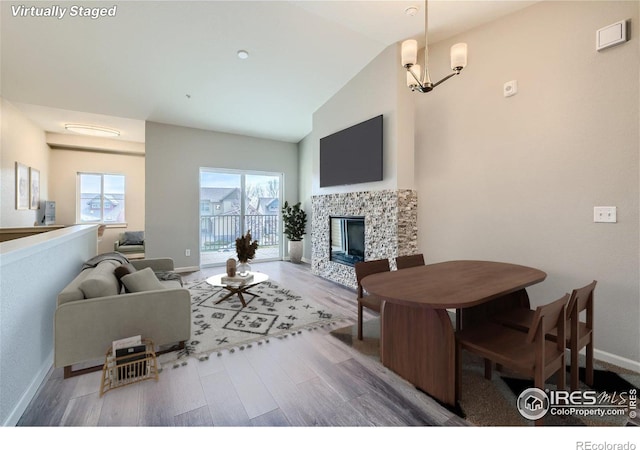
[(353, 155)]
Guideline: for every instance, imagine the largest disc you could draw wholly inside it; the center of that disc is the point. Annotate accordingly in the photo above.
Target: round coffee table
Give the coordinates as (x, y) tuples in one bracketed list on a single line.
[(237, 286)]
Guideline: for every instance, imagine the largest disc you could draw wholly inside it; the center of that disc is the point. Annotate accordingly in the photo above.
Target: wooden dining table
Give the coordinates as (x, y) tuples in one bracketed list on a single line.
[(417, 335)]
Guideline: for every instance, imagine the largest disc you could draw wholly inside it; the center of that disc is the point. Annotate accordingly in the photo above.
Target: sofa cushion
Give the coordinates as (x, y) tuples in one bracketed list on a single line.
[(171, 284), (123, 270), (131, 248), (142, 280), (101, 281)]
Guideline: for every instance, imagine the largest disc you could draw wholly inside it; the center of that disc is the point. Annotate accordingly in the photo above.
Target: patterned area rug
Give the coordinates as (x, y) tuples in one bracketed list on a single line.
[(273, 312), (493, 402)]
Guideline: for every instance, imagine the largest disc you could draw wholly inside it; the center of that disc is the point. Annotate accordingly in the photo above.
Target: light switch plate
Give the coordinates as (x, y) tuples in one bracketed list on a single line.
[(606, 214)]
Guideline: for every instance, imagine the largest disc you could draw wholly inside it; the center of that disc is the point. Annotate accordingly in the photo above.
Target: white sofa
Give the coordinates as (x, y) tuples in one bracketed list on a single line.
[(93, 310)]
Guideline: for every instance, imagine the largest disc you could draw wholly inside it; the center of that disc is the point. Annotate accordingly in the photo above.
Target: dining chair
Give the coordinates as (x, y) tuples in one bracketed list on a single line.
[(406, 261), (579, 334), (528, 354), (364, 268)]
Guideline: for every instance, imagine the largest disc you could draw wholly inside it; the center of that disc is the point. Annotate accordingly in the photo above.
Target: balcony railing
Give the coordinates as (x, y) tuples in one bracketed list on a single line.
[(219, 233)]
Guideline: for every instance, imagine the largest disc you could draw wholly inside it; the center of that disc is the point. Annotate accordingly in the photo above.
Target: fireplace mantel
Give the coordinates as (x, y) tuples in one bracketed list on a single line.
[(390, 228)]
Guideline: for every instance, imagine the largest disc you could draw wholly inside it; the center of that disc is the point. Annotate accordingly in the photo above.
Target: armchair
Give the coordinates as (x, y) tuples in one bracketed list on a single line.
[(130, 242)]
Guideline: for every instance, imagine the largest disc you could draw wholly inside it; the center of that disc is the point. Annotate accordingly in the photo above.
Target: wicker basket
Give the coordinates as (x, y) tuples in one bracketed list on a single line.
[(124, 370)]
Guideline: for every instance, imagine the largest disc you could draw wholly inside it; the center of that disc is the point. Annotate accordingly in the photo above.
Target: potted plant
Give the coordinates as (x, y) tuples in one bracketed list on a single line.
[(295, 221), (246, 251)]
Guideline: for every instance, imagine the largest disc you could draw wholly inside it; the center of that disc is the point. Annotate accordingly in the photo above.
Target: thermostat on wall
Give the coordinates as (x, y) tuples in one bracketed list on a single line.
[(510, 88), (611, 35)]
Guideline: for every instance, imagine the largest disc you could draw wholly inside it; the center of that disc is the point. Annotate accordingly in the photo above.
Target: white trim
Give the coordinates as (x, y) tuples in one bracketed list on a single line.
[(30, 393), (17, 249), (619, 361)]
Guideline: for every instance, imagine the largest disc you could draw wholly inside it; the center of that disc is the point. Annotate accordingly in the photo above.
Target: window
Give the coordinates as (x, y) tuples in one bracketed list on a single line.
[(101, 198)]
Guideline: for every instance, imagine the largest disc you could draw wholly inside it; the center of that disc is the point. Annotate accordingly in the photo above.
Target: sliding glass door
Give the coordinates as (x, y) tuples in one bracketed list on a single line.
[(234, 202)]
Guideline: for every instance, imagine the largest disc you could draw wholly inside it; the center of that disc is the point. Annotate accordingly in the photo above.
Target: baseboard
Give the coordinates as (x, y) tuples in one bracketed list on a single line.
[(186, 269), (30, 393), (306, 260), (616, 360)]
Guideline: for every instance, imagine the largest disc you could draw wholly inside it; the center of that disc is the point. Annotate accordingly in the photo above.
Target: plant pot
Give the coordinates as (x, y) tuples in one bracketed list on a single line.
[(295, 251)]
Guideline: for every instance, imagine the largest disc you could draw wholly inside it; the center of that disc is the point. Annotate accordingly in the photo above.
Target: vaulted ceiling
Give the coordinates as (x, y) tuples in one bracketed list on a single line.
[(176, 62)]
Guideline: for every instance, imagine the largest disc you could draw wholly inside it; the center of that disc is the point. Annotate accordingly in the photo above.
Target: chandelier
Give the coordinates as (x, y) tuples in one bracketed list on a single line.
[(421, 82)]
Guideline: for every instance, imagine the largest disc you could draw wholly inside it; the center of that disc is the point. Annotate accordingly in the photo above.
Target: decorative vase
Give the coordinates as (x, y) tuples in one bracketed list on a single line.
[(231, 267), (295, 251), (243, 268)]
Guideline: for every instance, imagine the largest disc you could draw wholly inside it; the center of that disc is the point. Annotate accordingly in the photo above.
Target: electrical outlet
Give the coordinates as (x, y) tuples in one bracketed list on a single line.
[(605, 214), (187, 252)]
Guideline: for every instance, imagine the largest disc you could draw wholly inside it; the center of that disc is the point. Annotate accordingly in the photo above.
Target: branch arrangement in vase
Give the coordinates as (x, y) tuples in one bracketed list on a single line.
[(245, 248)]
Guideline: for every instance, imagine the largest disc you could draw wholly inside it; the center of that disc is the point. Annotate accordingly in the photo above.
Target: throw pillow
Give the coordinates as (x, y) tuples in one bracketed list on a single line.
[(132, 238), (120, 271), (142, 280)]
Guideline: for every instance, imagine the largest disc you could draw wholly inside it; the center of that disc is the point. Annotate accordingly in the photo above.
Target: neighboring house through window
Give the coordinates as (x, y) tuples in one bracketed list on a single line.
[(101, 198)]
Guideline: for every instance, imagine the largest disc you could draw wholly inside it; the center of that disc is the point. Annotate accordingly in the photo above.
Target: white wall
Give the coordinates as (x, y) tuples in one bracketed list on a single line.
[(516, 179), (33, 271), (21, 141), (174, 156)]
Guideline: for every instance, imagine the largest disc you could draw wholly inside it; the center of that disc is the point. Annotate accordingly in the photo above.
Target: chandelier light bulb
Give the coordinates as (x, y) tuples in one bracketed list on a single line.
[(459, 56), (409, 52)]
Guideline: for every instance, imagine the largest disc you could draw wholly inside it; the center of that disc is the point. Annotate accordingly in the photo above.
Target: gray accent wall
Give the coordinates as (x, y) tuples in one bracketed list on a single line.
[(174, 156), (374, 91)]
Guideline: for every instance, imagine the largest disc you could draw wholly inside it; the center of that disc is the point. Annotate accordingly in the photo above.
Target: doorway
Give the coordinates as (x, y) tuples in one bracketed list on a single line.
[(234, 202)]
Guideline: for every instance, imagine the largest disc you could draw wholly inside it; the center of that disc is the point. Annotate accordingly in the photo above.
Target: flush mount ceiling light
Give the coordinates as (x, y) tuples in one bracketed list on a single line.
[(411, 10), (91, 130), (243, 54), (421, 82)]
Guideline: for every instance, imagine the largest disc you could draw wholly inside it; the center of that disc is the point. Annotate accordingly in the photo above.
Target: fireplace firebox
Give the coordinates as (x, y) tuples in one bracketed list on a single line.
[(346, 239)]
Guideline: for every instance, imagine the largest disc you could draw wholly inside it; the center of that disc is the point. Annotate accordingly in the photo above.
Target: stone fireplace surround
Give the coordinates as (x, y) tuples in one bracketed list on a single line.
[(390, 228)]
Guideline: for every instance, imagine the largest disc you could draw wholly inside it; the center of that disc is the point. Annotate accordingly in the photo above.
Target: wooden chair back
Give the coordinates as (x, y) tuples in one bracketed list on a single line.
[(581, 300), (548, 317), (364, 268), (406, 261)]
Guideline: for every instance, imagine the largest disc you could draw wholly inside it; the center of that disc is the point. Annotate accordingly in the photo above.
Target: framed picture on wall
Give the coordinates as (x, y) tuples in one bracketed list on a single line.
[(34, 188), (22, 186)]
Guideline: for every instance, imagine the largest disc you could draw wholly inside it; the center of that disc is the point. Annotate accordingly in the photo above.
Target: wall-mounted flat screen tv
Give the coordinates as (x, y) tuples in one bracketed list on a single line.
[(353, 155)]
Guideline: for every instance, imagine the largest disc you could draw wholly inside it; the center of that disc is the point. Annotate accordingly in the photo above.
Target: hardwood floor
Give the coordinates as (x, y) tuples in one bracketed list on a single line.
[(310, 379)]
